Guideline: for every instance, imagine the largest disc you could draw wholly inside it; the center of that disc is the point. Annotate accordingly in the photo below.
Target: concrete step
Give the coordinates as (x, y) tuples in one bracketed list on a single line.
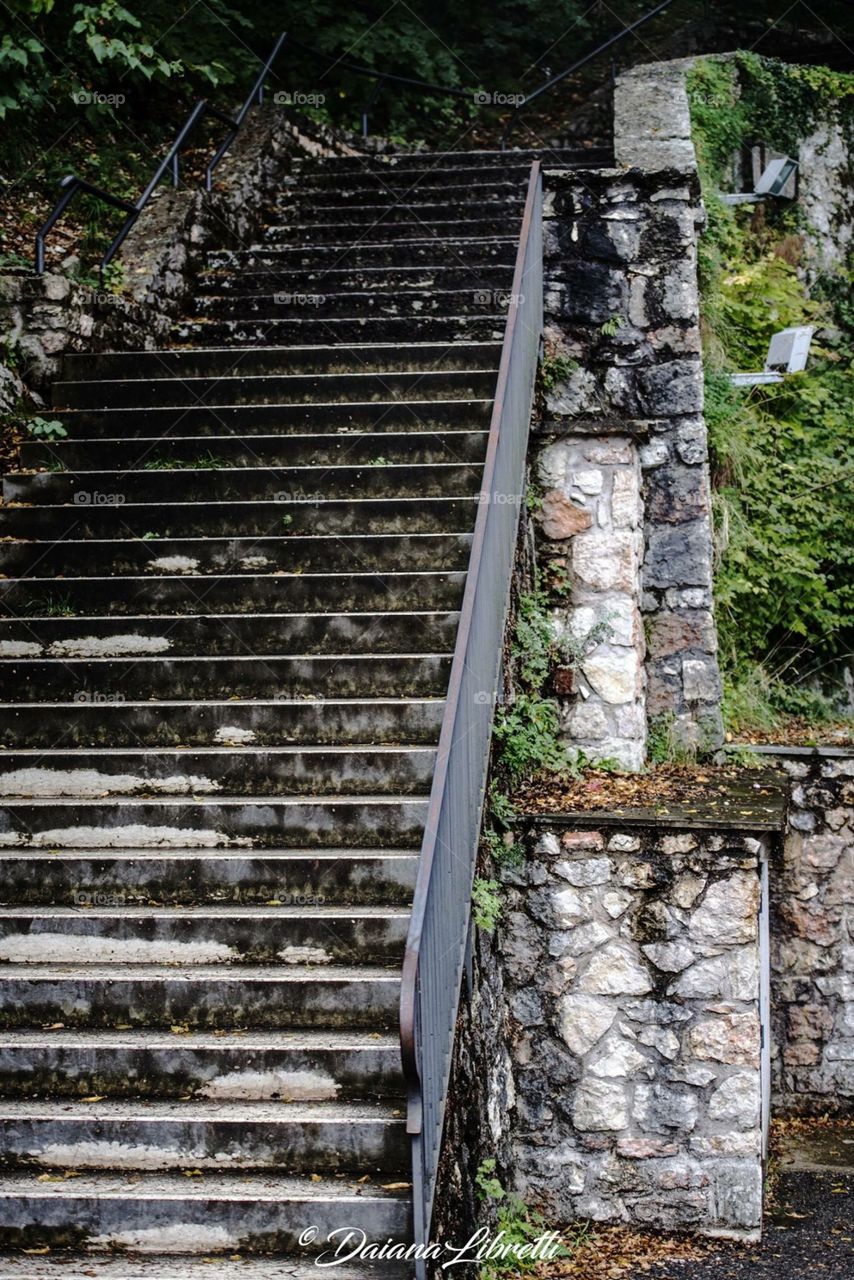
[(224, 676), (212, 1215), (368, 416), (409, 208), (90, 1266), (209, 634), (286, 1066), (314, 280), (238, 388), (480, 161), (247, 822), (94, 557), (201, 997), (347, 226), (295, 1137), (226, 935), (393, 302), (239, 593), (209, 362), (351, 448), (370, 254), (357, 769), (413, 328), (153, 877), (222, 484), (463, 188), (115, 722), (298, 516)]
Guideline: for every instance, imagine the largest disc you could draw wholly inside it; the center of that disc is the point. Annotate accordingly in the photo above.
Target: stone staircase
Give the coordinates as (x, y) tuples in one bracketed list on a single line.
[(229, 602)]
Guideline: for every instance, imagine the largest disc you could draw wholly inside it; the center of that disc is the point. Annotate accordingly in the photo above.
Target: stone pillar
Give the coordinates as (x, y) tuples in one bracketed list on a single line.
[(812, 937), (623, 354), (631, 972), (593, 516)]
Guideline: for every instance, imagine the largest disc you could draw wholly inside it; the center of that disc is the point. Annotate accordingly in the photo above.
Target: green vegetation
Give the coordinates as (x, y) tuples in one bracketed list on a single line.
[(486, 904), (518, 1226), (45, 429), (781, 468)]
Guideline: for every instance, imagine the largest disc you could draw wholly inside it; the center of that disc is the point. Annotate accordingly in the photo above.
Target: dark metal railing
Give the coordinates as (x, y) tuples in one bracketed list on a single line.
[(548, 85), (441, 912), (71, 184)]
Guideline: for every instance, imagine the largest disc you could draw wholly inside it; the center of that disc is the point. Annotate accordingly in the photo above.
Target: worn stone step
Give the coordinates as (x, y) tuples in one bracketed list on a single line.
[(282, 484), (203, 362), (198, 998), (91, 1266), (88, 557), (223, 676), (443, 187), (295, 1137), (339, 166), (236, 593), (293, 877), (412, 328), (208, 634), (325, 517), (288, 1066), (315, 280), (337, 226), (374, 417), (356, 769), (464, 188), (212, 1215), (410, 209), (250, 822), (351, 448), (238, 387), (227, 935), (394, 302), (363, 254), (106, 721), (366, 675)]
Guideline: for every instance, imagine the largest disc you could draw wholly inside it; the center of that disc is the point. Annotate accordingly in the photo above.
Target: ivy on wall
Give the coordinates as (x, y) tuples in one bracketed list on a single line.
[(781, 454)]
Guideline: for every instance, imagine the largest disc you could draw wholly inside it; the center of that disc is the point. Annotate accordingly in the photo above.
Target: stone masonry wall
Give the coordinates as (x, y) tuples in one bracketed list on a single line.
[(812, 938), (631, 972), (622, 315)]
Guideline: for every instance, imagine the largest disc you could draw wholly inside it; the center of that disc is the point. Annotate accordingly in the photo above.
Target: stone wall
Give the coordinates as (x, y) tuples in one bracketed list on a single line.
[(812, 937), (623, 465), (631, 969)]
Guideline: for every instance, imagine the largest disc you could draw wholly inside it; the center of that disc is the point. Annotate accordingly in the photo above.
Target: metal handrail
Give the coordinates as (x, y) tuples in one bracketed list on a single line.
[(548, 85), (441, 913), (71, 184), (256, 94)]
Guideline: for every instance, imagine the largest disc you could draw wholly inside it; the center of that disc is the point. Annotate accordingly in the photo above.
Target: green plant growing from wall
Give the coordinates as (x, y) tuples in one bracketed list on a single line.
[(486, 904)]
